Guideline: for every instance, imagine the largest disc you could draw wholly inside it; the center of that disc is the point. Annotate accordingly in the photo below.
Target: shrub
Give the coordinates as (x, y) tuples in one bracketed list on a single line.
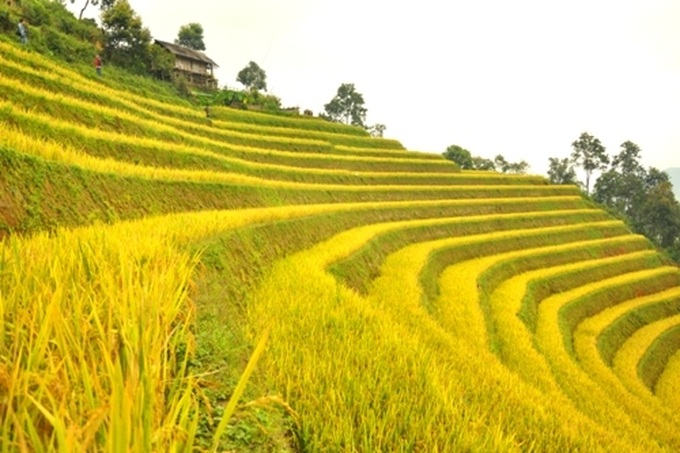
[(36, 13), (6, 22), (182, 85), (66, 47)]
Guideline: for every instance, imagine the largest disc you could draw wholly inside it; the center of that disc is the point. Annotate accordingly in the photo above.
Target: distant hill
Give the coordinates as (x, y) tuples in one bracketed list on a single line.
[(674, 174)]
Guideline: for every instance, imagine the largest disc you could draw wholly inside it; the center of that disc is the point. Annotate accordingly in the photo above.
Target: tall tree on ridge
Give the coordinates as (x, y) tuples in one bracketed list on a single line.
[(459, 155), (561, 171), (590, 155), (643, 197), (191, 36), (126, 40), (253, 77), (347, 106)]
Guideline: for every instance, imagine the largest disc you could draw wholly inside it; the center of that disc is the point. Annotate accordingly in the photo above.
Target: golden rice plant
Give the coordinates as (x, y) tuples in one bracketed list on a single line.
[(75, 130), (461, 282), (574, 381), (158, 123), (53, 151), (668, 386), (96, 333), (378, 373), (68, 155), (627, 358), (586, 348), (513, 342), (459, 313), (595, 268), (459, 300)]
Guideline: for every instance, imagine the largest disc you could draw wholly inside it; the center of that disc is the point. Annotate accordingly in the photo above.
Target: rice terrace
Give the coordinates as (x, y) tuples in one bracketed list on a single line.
[(258, 282)]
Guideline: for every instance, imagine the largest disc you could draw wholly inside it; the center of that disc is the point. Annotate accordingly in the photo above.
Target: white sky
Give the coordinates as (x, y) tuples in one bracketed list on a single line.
[(522, 78)]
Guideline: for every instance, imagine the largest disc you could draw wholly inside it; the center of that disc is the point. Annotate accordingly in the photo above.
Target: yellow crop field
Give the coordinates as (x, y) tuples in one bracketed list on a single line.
[(668, 386), (279, 283), (97, 333), (585, 345), (629, 355)]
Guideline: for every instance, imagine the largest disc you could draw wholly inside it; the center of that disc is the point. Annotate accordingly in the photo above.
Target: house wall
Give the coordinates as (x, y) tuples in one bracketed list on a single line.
[(196, 67)]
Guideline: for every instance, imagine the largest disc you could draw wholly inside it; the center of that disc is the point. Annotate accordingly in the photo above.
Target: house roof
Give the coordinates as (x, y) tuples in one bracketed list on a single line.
[(185, 52)]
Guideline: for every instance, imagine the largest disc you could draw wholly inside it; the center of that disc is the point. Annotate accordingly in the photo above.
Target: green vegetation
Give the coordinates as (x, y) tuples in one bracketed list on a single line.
[(191, 36), (466, 161), (347, 106), (253, 77), (642, 197)]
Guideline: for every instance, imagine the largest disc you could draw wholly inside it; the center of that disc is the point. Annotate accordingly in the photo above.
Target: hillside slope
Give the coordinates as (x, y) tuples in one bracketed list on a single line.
[(158, 267)]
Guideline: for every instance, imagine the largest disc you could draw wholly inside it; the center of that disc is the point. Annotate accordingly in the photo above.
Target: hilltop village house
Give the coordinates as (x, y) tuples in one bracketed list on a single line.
[(195, 66)]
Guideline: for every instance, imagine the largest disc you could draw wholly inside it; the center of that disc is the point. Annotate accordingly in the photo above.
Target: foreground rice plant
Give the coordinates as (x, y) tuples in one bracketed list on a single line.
[(668, 386), (96, 334), (95, 342)]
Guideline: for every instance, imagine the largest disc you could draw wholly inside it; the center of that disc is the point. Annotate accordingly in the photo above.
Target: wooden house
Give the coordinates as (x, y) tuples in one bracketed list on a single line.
[(195, 66)]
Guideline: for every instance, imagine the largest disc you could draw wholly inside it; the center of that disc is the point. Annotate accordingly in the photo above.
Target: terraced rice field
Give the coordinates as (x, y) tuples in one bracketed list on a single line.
[(254, 282)]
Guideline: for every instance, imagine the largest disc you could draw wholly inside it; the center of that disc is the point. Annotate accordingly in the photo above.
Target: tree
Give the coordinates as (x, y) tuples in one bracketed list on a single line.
[(561, 171), (628, 160), (126, 41), (500, 164), (660, 217), (467, 161), (644, 198), (590, 155), (461, 156), (622, 186), (347, 106), (253, 77), (191, 36), (377, 130), (517, 168), (161, 63), (483, 164), (103, 4)]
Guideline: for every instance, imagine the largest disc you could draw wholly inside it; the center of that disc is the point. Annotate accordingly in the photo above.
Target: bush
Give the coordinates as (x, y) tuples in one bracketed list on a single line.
[(66, 47), (230, 98), (182, 86), (6, 22), (83, 30), (36, 13), (161, 63)]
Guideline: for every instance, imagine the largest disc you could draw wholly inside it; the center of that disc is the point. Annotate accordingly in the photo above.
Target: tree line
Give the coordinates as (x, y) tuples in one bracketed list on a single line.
[(467, 161), (643, 197)]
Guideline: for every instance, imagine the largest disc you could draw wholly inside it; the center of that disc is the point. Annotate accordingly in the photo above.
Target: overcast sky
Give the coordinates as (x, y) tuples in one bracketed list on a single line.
[(522, 78)]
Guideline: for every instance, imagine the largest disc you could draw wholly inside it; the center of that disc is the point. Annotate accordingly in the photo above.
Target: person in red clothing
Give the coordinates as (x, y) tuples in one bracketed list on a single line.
[(98, 65)]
